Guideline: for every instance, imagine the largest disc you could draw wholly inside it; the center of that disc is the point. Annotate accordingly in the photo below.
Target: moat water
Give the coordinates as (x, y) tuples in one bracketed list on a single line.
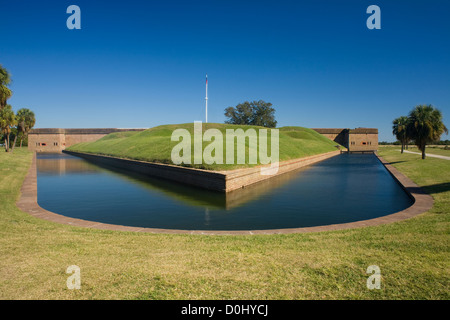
[(345, 188)]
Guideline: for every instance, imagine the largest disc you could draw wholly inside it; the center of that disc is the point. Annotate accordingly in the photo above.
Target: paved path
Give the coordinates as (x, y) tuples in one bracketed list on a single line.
[(429, 155)]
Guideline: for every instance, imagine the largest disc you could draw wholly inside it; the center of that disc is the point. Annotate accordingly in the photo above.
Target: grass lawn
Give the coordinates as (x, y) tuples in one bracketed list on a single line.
[(155, 145), (413, 255)]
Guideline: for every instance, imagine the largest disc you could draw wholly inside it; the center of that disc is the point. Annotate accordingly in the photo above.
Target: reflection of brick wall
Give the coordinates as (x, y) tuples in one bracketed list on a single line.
[(241, 178), (223, 181), (56, 140)]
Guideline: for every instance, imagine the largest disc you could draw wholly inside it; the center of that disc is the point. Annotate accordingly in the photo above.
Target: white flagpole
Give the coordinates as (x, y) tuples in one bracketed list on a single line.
[(206, 99)]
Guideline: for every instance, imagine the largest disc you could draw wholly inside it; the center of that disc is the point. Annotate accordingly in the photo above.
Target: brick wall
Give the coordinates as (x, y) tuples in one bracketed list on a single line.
[(72, 139), (56, 139), (51, 142), (363, 139), (360, 139), (223, 181)]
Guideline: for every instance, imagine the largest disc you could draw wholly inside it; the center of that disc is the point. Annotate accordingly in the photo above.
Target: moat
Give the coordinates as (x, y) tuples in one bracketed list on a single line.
[(345, 188)]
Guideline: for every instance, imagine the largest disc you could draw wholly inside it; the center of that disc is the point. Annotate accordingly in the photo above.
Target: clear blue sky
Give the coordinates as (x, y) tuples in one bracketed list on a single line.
[(140, 64)]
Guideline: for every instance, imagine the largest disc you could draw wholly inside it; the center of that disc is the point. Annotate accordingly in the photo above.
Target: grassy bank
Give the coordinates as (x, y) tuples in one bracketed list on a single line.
[(413, 255), (155, 145)]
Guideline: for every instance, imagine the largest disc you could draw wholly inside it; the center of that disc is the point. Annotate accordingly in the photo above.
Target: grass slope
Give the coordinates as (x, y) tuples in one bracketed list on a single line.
[(413, 255), (155, 145)]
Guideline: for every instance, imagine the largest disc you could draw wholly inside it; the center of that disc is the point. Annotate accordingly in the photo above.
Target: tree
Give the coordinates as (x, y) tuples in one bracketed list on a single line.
[(241, 114), (7, 121), (399, 127), (425, 125), (5, 92), (25, 122), (258, 113)]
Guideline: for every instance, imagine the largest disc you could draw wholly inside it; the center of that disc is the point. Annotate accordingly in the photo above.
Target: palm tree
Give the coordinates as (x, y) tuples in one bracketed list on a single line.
[(399, 126), (425, 126), (5, 92), (25, 122), (7, 121)]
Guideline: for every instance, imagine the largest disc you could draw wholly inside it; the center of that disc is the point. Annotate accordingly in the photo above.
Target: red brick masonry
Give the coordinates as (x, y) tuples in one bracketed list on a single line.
[(422, 203)]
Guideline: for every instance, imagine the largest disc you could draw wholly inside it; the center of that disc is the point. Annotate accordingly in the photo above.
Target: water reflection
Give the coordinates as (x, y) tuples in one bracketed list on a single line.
[(341, 189), (61, 164)]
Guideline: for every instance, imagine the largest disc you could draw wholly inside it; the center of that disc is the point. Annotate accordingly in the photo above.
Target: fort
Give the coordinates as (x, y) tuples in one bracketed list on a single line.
[(227, 180), (57, 140), (355, 140)]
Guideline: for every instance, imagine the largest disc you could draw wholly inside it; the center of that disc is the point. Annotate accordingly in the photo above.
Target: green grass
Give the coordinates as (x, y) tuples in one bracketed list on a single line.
[(155, 145), (413, 255)]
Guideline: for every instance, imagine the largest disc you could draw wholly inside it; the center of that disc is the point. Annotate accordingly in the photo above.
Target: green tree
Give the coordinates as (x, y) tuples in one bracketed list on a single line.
[(5, 92), (258, 113), (25, 122), (425, 125), (399, 130), (7, 121), (241, 114)]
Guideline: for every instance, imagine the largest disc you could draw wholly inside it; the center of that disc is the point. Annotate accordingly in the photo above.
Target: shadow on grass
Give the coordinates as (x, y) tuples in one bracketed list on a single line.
[(394, 162), (437, 188)]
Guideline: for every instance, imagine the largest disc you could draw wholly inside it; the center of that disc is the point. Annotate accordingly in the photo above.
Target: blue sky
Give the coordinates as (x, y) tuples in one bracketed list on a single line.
[(138, 64)]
